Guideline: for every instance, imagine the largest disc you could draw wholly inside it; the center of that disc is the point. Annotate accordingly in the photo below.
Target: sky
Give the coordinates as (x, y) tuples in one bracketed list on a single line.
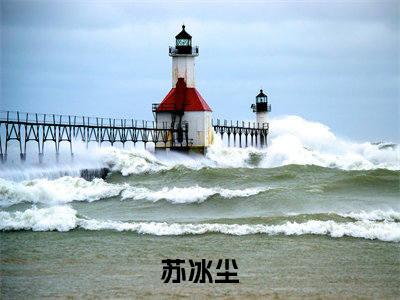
[(334, 62)]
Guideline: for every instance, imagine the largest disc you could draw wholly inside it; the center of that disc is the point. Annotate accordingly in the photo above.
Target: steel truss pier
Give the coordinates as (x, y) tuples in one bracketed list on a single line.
[(42, 128), (25, 127), (252, 134)]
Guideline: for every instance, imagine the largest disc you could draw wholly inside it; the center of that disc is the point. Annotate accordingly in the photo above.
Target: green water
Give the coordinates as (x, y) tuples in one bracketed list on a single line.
[(110, 262)]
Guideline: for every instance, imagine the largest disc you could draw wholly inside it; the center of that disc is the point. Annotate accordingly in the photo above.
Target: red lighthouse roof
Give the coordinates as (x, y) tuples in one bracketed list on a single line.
[(183, 98)]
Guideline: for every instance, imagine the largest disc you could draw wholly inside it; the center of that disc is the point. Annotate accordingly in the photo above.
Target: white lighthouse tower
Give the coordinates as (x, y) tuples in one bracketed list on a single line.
[(183, 55), (184, 104), (261, 108)]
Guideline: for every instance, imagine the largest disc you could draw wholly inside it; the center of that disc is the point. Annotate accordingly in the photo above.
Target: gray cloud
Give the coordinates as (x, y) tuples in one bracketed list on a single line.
[(334, 62)]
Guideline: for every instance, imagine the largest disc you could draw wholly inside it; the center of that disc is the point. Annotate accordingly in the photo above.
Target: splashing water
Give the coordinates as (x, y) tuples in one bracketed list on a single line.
[(293, 140)]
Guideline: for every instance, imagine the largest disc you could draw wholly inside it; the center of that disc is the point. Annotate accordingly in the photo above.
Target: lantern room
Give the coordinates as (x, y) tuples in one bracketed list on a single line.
[(183, 45), (183, 41), (261, 104), (261, 108)]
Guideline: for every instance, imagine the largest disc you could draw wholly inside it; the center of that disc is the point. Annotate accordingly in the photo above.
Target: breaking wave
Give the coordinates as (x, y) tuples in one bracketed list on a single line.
[(62, 190), (187, 195), (134, 161), (360, 229), (292, 140), (375, 215), (67, 189), (64, 218), (60, 218)]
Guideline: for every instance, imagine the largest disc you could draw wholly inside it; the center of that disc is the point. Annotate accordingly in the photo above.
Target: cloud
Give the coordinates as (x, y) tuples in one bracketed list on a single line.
[(330, 61)]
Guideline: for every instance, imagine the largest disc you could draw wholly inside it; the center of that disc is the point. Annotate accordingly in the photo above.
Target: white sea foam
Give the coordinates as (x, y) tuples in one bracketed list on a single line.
[(230, 157), (62, 190), (139, 161), (64, 218), (292, 140), (192, 194), (134, 161), (375, 215), (360, 229), (52, 166), (60, 218), (67, 189)]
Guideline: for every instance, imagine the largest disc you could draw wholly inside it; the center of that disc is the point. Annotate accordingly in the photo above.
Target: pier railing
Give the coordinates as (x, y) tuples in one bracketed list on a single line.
[(245, 133), (41, 128), (37, 128)]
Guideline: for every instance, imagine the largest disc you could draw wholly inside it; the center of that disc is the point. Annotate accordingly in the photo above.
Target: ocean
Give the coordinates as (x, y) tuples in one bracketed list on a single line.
[(313, 215)]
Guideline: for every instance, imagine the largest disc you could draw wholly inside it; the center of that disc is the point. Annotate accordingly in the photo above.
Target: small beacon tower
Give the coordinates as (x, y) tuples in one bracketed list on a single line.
[(184, 105), (261, 108)]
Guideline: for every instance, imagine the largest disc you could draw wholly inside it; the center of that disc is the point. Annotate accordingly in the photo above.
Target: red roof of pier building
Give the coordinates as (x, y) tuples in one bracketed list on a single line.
[(183, 98)]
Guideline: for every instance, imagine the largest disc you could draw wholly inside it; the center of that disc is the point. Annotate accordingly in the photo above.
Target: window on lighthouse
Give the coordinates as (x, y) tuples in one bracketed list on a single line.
[(261, 99), (183, 42)]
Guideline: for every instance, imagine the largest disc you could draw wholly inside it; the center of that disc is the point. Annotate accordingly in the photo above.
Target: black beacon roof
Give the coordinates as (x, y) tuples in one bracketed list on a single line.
[(261, 94), (183, 34)]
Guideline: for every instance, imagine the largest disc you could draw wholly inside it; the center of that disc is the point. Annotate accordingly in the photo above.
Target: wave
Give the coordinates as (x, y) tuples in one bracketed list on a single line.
[(292, 140), (68, 189), (375, 179), (64, 218), (389, 215), (134, 161), (375, 215), (360, 229), (193, 194), (62, 190), (60, 218)]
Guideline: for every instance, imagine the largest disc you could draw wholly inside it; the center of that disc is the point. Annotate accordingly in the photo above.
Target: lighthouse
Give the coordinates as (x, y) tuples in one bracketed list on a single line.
[(261, 108), (183, 105)]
